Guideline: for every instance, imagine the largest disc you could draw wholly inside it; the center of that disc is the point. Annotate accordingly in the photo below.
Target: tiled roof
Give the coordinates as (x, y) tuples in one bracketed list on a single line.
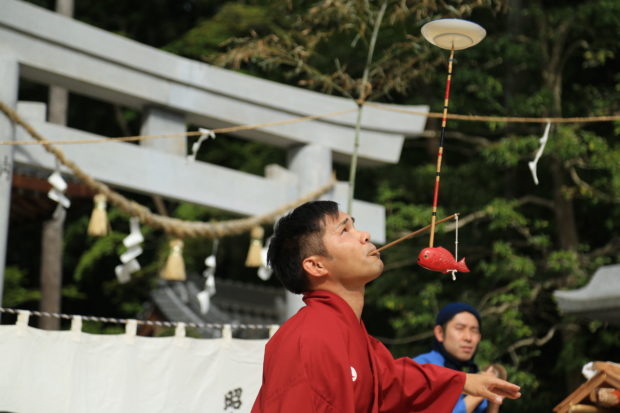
[(233, 303), (598, 300)]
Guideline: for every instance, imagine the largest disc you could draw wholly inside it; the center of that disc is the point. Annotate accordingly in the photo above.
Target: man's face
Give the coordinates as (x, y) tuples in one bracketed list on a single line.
[(461, 336), (348, 260)]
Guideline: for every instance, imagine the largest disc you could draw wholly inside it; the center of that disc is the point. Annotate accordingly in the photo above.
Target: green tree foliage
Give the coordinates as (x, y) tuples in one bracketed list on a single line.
[(323, 45), (17, 294)]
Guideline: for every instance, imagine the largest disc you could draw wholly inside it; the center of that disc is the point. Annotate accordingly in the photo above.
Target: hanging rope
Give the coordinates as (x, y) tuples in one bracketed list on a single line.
[(360, 102), (456, 244), (12, 115), (139, 322), (173, 226), (505, 119)]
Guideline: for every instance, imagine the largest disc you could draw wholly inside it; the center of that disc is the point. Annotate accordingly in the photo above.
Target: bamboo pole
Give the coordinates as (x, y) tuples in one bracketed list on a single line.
[(412, 234)]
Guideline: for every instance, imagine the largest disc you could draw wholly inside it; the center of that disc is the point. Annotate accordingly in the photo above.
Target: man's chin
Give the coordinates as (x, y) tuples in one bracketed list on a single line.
[(371, 274), (378, 273), (380, 266)]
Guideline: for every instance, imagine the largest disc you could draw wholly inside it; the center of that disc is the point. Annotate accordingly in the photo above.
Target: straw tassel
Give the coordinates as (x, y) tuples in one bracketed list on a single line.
[(256, 245), (174, 270), (99, 225)]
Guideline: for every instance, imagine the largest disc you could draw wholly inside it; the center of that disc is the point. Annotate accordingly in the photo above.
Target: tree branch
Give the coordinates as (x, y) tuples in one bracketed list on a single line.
[(498, 309), (490, 294), (528, 199), (609, 248), (589, 188), (451, 226), (528, 342), (531, 199)]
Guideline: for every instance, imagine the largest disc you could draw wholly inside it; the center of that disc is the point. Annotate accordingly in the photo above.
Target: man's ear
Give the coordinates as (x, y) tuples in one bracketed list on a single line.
[(313, 265), (438, 331)]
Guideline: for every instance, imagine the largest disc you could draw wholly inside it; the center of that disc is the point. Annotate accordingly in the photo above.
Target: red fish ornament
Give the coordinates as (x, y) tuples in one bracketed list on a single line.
[(440, 259)]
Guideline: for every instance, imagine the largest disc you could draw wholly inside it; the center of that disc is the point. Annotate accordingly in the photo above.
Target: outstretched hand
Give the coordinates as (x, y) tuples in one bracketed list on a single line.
[(490, 387)]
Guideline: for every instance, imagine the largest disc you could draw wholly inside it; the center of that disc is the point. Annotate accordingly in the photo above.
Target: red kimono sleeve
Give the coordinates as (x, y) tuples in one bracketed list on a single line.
[(406, 386)]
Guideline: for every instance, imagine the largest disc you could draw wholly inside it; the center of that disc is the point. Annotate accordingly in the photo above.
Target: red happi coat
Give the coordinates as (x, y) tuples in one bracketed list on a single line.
[(323, 360)]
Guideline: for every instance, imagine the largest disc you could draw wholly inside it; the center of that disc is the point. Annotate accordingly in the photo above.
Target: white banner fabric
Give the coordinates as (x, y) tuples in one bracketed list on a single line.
[(76, 372)]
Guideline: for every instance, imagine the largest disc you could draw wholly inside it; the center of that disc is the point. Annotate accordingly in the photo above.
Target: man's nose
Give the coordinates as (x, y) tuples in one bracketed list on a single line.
[(365, 236)]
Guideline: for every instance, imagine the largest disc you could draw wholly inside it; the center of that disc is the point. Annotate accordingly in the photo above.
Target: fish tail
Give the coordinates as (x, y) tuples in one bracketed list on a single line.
[(461, 266)]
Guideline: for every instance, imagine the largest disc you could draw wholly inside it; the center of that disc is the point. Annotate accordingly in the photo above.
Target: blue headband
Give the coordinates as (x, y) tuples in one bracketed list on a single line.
[(450, 310)]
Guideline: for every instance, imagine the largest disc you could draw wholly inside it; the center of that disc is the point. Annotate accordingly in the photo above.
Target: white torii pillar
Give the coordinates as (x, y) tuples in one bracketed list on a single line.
[(158, 121), (9, 73)]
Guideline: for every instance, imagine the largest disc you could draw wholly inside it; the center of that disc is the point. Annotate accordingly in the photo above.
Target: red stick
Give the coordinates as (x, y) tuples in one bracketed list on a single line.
[(440, 152)]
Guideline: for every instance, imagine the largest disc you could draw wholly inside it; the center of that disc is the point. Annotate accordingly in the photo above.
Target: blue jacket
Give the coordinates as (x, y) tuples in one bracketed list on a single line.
[(435, 357)]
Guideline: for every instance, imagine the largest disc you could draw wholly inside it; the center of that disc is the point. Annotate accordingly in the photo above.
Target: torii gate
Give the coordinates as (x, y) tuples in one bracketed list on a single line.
[(171, 91)]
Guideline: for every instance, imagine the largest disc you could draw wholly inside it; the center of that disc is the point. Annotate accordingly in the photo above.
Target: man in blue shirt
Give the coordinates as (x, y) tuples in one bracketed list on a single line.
[(457, 334)]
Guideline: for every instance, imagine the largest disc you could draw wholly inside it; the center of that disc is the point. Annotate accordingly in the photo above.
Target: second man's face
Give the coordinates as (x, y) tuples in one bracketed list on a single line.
[(461, 336)]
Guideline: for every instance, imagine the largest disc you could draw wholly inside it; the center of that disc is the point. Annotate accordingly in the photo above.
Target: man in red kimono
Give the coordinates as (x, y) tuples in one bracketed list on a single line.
[(322, 359)]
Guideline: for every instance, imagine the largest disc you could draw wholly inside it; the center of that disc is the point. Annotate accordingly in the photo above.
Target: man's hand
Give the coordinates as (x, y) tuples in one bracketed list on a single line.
[(490, 387)]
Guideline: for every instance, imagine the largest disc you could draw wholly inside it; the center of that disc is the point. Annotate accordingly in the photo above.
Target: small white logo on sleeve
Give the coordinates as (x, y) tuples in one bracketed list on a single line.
[(353, 374)]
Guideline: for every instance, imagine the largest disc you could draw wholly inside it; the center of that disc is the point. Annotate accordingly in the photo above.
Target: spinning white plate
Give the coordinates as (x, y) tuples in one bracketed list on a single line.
[(457, 33)]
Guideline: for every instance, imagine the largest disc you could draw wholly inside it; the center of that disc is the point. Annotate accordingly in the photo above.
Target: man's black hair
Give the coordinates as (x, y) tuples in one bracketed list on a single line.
[(296, 236)]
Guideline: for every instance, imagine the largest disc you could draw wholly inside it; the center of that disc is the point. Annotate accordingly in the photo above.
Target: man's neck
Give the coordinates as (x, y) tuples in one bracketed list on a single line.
[(353, 297), (356, 300)]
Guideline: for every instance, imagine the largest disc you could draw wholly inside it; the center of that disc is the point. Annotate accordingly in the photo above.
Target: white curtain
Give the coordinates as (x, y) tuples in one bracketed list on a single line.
[(76, 372)]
